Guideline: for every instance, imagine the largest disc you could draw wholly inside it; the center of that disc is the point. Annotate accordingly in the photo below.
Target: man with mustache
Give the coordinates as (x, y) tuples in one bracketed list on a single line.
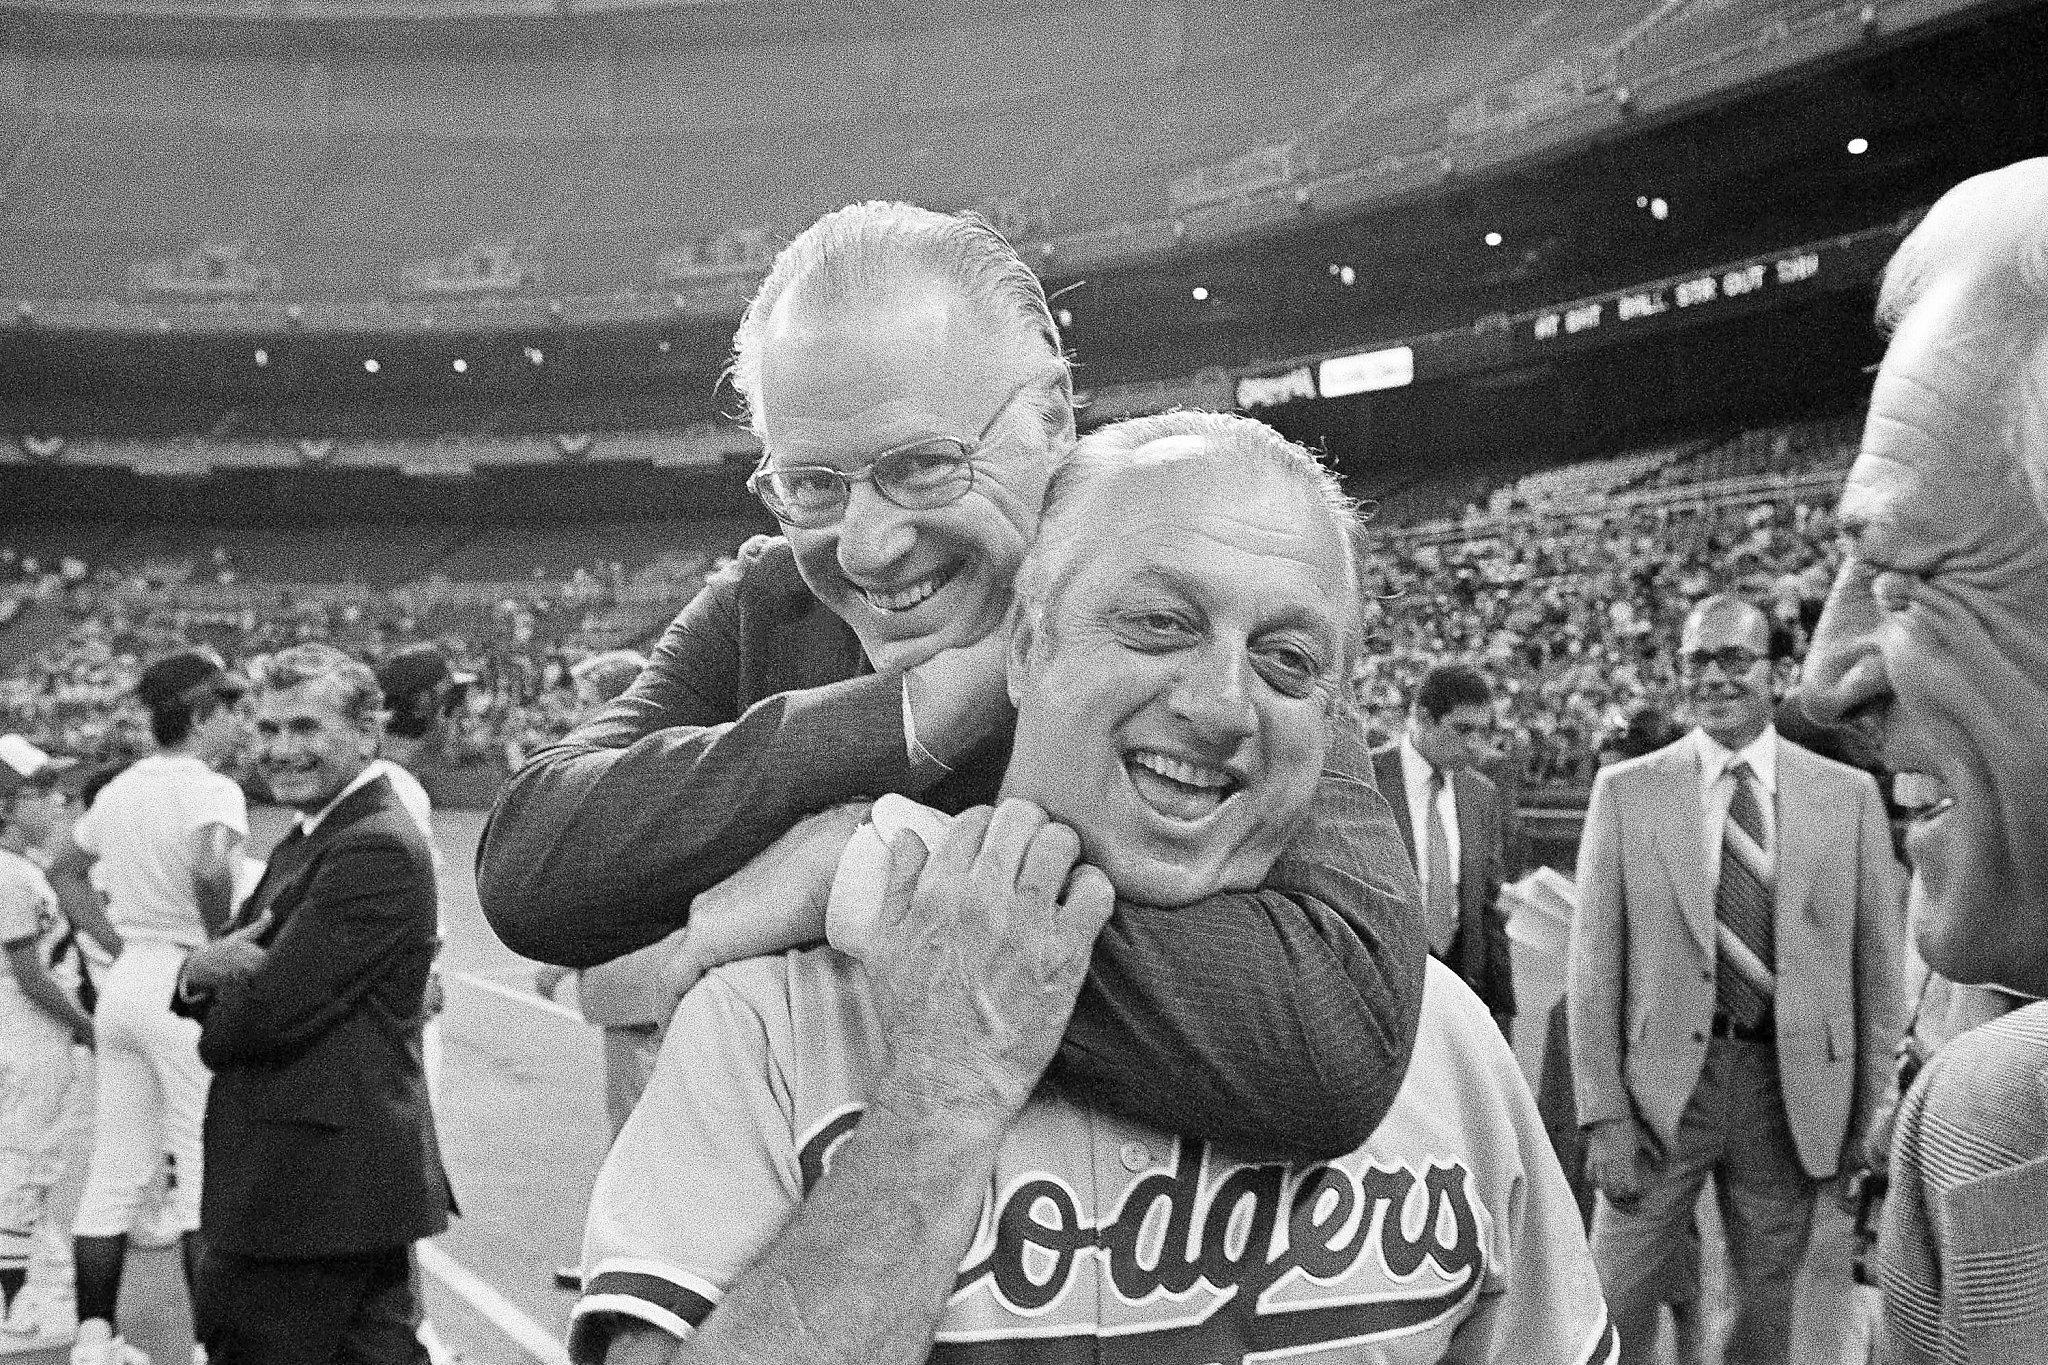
[(860, 1155), (905, 376), (1733, 990), (1937, 632)]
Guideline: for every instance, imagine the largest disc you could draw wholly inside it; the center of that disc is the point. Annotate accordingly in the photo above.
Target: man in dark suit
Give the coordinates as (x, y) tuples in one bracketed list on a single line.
[(1451, 823), (321, 1163)]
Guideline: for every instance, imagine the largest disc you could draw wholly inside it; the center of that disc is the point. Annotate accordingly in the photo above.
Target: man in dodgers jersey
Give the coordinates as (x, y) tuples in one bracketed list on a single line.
[(780, 1193)]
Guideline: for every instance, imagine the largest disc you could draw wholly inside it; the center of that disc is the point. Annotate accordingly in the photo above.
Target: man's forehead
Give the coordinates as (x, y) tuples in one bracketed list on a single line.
[(1214, 514), (1733, 624), (319, 697)]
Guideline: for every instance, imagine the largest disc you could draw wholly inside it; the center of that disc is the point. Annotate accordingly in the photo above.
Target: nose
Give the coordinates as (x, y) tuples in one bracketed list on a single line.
[(874, 533), (1845, 670), (1211, 693)]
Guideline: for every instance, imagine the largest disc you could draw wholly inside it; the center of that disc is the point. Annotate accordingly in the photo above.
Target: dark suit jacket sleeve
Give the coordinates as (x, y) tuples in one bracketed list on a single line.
[(599, 844), (370, 901), (1491, 830), (1278, 1021)]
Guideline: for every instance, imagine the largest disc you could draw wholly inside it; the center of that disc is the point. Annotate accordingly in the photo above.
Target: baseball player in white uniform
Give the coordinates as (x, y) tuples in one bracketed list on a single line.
[(1172, 681)]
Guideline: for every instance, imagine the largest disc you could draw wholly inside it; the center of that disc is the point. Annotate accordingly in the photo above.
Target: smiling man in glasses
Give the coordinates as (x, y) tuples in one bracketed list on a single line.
[(1734, 989), (906, 379)]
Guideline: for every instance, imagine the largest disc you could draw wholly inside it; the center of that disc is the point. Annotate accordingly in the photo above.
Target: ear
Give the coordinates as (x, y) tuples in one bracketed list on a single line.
[(1023, 628)]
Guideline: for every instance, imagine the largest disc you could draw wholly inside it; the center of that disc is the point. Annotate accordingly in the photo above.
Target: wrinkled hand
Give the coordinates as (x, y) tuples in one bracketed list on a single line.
[(959, 697), (1620, 1158), (233, 956), (976, 959), (775, 902)]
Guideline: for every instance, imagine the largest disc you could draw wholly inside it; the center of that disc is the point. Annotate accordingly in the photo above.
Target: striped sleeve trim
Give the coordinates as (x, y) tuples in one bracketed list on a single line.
[(642, 1291)]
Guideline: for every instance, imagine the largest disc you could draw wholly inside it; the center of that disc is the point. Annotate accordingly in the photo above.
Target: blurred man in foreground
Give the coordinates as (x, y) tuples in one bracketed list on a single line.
[(321, 1162), (1733, 990), (842, 1156), (1938, 630)]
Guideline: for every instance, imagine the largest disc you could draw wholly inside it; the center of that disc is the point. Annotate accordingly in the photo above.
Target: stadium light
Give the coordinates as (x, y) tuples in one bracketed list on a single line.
[(1493, 239), (371, 365), (1659, 210), (1199, 294), (661, 346), (459, 365), (1347, 277), (1858, 146), (535, 356), (1066, 317), (262, 357)]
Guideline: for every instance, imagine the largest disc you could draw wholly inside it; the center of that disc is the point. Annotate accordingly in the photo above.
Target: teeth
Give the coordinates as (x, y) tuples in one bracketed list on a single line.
[(1188, 774), (905, 598), (1921, 793)]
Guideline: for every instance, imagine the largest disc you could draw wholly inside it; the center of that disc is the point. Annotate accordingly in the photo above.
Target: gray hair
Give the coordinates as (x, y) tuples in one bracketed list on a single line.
[(361, 699), (863, 256), (1228, 440)]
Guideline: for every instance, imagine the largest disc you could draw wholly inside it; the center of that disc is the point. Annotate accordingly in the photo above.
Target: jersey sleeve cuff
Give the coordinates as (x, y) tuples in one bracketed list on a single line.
[(660, 1296)]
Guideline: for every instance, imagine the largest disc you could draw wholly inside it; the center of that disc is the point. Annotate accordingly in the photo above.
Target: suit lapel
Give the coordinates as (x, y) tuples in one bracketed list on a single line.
[(288, 860), (1394, 786), (1801, 814), (1682, 842)]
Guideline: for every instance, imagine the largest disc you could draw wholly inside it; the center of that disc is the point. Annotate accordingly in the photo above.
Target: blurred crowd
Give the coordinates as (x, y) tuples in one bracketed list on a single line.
[(74, 695), (1567, 609), (1572, 612)]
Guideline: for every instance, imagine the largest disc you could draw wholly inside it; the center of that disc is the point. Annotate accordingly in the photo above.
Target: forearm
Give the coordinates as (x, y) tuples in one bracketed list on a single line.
[(215, 895), (51, 998), (593, 852), (862, 1273), (1279, 1022), (83, 906)]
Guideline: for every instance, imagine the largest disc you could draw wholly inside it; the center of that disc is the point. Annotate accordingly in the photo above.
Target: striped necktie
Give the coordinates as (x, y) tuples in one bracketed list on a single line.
[(1746, 979), (1440, 896)]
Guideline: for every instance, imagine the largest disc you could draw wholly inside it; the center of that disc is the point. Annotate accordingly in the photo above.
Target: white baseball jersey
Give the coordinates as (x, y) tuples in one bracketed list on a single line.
[(1451, 1236)]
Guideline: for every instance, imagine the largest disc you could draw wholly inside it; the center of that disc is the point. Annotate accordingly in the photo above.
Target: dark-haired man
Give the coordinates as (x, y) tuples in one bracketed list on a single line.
[(1733, 990), (166, 833), (322, 1165), (1451, 819)]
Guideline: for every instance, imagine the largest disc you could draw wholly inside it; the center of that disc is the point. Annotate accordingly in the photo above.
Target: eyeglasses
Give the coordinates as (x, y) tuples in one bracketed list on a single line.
[(918, 476), (1734, 660)]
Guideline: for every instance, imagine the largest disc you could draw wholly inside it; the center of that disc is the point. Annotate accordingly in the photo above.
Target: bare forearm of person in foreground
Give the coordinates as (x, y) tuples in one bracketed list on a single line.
[(974, 967)]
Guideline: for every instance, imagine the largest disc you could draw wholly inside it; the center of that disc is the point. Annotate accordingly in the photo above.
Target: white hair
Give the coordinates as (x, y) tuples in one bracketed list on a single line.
[(866, 256)]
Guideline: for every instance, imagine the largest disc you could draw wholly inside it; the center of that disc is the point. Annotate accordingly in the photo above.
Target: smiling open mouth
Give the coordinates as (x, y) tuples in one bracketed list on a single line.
[(1922, 796), (909, 596), (1177, 788)]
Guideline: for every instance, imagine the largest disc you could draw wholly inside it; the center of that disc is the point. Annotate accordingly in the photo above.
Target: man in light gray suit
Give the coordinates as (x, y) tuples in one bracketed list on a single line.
[(1733, 990)]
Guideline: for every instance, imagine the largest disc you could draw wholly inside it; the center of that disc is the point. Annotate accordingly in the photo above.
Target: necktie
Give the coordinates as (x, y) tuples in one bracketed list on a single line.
[(1440, 896), (1746, 979)]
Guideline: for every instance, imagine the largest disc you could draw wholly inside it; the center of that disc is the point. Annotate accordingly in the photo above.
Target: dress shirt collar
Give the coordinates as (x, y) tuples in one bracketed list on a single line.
[(1415, 769), (309, 823), (1761, 754)]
